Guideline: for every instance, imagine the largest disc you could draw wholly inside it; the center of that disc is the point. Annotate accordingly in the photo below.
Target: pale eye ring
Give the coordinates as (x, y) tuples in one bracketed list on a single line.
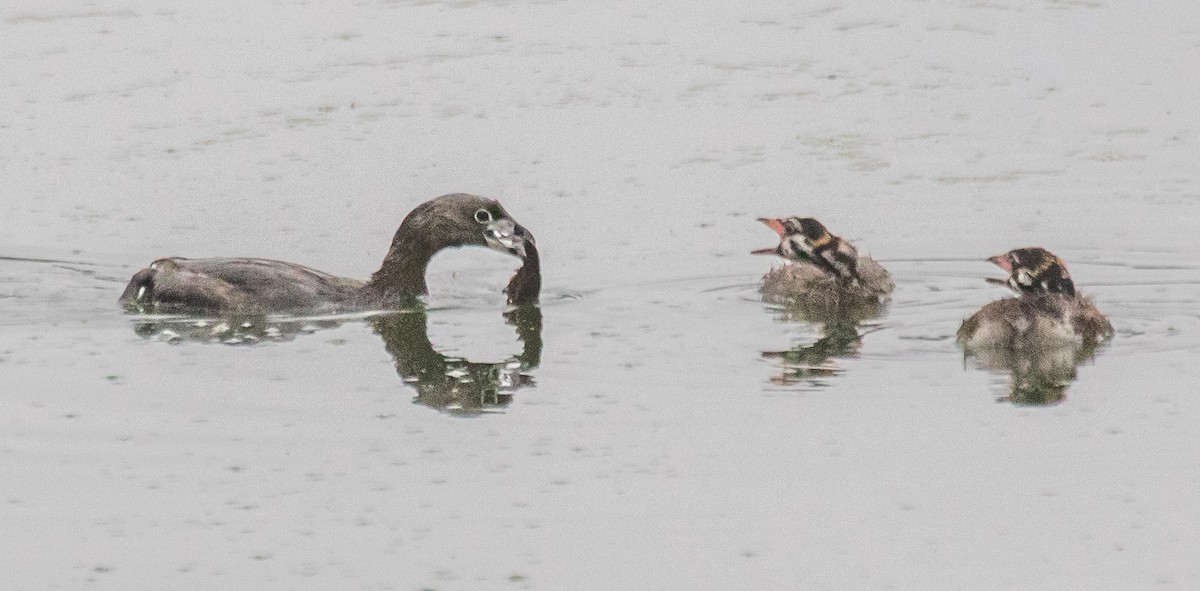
[(483, 216)]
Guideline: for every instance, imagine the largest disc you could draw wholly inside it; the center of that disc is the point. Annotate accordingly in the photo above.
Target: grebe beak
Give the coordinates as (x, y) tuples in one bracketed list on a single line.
[(776, 225), (508, 237), (1001, 261)]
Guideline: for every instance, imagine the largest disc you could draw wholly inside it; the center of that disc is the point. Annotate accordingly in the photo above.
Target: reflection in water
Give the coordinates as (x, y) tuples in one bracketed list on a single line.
[(449, 384), (230, 330), (1038, 377), (841, 337), (453, 384)]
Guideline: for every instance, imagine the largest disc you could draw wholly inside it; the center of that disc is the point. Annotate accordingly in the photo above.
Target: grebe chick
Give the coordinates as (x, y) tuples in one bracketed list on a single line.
[(822, 271), (1048, 312)]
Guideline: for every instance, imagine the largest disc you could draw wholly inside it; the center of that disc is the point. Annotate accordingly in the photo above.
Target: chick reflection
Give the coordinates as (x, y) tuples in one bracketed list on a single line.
[(1037, 377), (841, 337), (452, 384)]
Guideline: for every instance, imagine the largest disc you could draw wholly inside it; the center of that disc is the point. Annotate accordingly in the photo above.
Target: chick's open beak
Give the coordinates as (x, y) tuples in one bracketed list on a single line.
[(1002, 262), (773, 224)]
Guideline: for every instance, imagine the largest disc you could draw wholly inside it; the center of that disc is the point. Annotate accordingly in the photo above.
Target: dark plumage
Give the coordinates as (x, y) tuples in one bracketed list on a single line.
[(1048, 312), (265, 286), (451, 383), (824, 272)]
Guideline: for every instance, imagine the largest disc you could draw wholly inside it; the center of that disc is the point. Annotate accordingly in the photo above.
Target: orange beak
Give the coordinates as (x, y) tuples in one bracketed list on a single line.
[(773, 224), (1002, 262)]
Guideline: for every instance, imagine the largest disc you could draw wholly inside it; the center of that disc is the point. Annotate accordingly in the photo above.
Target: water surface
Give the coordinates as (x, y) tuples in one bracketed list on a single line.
[(656, 426)]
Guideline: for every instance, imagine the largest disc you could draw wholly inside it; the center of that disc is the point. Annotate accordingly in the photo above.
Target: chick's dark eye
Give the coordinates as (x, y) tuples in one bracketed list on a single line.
[(483, 216)]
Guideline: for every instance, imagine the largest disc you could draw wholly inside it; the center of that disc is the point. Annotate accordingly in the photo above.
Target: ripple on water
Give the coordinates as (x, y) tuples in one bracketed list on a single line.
[(46, 291), (1145, 300), (689, 324), (1152, 304)]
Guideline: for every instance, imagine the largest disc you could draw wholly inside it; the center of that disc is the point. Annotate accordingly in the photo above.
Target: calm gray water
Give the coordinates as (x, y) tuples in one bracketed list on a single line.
[(658, 427)]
